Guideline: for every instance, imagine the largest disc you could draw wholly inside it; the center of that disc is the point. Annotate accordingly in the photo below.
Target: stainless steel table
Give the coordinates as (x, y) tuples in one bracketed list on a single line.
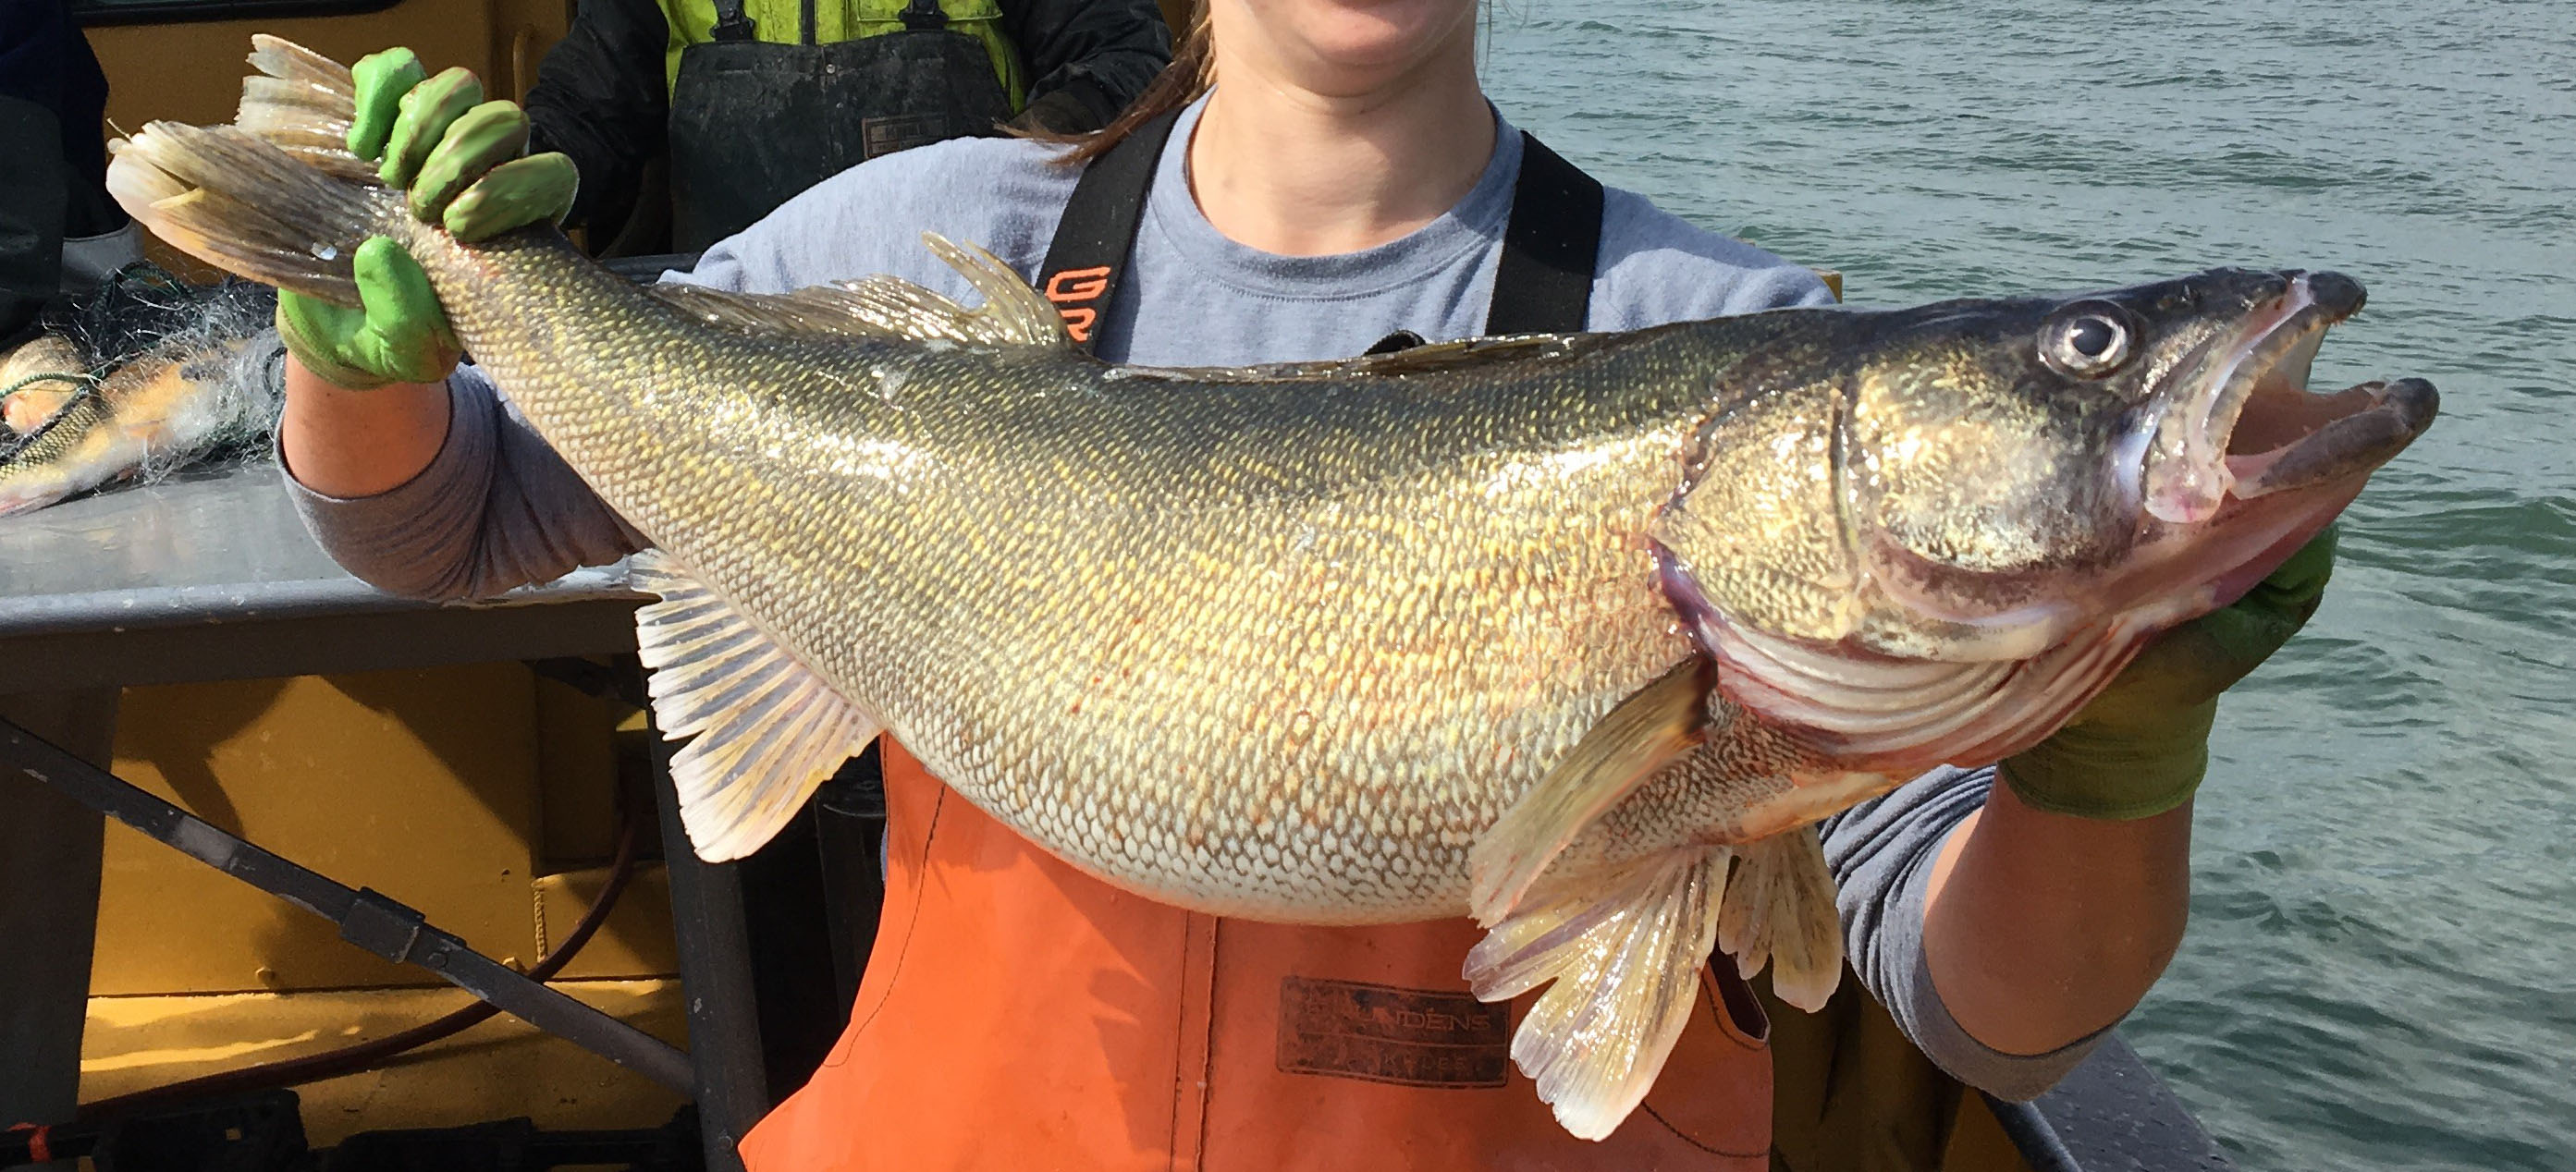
[(212, 577)]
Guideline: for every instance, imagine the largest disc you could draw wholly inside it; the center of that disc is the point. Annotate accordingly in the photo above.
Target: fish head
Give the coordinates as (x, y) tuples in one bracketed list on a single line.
[(2010, 497)]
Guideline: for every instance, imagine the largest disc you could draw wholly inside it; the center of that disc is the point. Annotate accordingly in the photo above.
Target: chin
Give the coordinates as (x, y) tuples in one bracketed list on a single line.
[(1360, 40)]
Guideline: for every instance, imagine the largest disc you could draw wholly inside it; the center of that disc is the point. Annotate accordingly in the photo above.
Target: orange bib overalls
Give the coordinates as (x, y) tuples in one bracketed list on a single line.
[(1021, 1016)]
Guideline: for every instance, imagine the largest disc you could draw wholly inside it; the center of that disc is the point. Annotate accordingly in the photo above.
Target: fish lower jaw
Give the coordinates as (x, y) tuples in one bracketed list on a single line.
[(2307, 439)]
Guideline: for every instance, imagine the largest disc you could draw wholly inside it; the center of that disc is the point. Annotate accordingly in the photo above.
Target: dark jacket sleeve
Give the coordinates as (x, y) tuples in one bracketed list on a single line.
[(31, 216), (1097, 53), (601, 98), (50, 96)]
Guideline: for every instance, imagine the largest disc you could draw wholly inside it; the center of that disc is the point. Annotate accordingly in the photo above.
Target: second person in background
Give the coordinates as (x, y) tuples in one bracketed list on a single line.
[(747, 102)]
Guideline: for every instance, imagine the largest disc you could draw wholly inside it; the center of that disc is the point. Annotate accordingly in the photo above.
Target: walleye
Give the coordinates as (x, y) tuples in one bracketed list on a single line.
[(201, 384), (1575, 634)]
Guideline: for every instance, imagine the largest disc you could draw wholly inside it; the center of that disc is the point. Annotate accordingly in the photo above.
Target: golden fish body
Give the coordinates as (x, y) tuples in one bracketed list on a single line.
[(1280, 648), (1565, 632)]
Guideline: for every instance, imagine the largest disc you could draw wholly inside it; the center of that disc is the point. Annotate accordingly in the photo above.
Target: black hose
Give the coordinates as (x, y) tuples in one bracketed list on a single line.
[(368, 1055)]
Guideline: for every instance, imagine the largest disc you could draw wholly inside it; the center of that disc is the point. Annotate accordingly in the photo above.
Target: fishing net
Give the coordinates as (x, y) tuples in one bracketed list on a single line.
[(199, 366)]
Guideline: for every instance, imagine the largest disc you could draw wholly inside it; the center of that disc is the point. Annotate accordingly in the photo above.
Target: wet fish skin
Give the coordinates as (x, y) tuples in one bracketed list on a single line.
[(1338, 643)]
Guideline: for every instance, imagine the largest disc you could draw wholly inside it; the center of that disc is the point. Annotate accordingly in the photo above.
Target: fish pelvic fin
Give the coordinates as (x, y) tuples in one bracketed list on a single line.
[(1621, 752), (276, 196), (1622, 969), (1779, 907), (768, 730), (1012, 314)]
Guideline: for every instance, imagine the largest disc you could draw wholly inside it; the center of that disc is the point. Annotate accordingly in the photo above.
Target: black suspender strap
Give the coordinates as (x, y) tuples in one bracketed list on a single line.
[(1550, 248), (1092, 242), (1543, 283)]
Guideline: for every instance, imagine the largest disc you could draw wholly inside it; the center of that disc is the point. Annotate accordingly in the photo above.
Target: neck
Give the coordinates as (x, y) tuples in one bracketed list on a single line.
[(1300, 170)]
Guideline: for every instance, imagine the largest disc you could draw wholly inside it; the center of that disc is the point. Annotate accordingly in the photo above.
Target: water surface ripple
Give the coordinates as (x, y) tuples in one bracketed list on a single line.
[(2381, 970)]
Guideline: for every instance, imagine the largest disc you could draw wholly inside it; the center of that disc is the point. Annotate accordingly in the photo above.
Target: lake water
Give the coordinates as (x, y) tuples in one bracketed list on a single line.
[(2381, 969)]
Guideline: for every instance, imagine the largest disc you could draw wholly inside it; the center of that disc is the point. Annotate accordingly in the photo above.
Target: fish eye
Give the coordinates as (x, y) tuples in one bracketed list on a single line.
[(2087, 340)]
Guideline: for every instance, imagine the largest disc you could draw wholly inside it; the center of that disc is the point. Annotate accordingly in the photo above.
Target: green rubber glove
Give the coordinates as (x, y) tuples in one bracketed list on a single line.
[(458, 159), (397, 335), (456, 155), (2142, 746)]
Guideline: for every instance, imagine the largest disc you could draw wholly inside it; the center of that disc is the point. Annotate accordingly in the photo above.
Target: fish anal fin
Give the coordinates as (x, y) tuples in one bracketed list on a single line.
[(888, 307), (1621, 961), (1618, 754), (1779, 909), (768, 731)]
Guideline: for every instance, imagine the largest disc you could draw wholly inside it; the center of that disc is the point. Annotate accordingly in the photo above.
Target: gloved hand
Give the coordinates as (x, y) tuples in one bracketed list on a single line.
[(397, 335), (456, 155), (458, 158), (2141, 747)]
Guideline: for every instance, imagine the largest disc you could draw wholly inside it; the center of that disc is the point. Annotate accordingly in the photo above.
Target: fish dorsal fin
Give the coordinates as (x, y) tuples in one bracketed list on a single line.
[(768, 730), (1621, 961), (1618, 754), (889, 307), (1433, 358)]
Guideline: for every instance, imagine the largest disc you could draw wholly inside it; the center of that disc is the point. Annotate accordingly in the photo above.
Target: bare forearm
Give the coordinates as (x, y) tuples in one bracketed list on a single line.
[(343, 443), (2042, 928)]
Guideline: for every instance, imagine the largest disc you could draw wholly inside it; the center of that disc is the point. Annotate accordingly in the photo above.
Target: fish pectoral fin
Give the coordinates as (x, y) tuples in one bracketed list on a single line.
[(769, 731), (1620, 753), (889, 307), (1779, 906), (1624, 963)]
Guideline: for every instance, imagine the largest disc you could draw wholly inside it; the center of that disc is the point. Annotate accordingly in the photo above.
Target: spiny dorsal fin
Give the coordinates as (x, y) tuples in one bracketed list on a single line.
[(890, 307), (1463, 354), (1621, 752), (1621, 961), (768, 729)]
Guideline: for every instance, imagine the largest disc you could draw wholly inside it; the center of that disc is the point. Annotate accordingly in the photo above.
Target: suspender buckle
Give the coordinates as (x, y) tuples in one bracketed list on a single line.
[(731, 24), (923, 16)]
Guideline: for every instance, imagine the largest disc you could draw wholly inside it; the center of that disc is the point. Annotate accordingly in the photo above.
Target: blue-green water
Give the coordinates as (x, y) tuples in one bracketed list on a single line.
[(2381, 969)]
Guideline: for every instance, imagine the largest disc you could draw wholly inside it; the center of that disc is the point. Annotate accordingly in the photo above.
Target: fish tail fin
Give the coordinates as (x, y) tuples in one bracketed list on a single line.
[(276, 196), (1779, 906), (1625, 969)]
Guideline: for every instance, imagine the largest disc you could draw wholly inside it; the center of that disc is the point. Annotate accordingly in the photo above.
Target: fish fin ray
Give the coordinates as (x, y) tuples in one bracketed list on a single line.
[(768, 730), (1903, 716), (1619, 754), (276, 197), (1012, 314), (1433, 358), (302, 103), (1779, 909), (1622, 970)]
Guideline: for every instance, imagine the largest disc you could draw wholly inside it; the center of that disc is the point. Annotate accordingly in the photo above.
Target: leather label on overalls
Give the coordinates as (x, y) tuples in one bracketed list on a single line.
[(1380, 1033)]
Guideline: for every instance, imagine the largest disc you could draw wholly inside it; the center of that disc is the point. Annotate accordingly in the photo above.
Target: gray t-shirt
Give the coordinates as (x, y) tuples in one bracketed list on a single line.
[(496, 508)]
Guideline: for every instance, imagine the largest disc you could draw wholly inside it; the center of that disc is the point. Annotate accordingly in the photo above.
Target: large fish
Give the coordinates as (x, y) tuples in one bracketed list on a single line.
[(1574, 634)]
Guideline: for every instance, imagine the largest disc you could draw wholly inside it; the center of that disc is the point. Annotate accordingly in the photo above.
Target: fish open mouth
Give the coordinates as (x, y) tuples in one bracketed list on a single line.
[(2254, 429)]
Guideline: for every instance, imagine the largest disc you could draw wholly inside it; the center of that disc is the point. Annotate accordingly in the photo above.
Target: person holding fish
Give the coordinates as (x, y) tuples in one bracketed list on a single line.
[(1310, 178)]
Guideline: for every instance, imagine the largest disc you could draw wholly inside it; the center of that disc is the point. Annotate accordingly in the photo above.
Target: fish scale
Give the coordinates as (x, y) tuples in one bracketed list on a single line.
[(1574, 634)]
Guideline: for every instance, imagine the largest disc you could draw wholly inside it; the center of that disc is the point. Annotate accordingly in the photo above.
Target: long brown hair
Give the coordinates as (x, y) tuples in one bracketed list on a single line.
[(1192, 71)]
